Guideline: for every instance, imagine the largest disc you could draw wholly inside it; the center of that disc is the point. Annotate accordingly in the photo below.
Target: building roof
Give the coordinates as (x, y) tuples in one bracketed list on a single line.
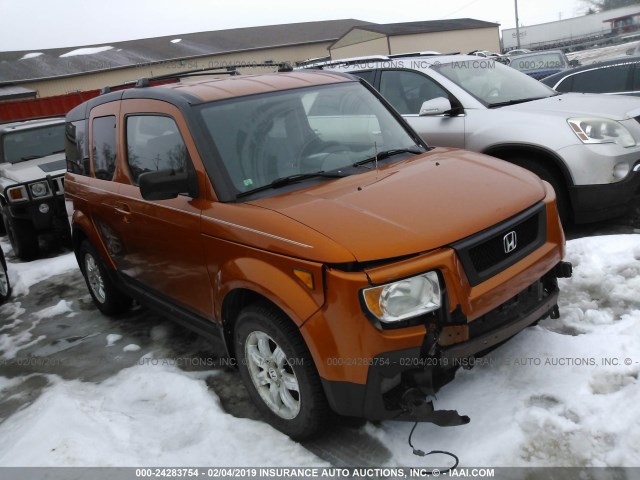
[(430, 26), (624, 17), (22, 66), (362, 33)]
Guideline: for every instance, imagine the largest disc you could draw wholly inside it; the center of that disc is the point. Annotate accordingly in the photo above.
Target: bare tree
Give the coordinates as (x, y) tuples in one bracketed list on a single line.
[(604, 5)]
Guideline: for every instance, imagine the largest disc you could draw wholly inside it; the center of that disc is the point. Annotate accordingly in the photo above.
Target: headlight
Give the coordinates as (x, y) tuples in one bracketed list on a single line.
[(39, 189), (17, 194), (404, 299), (601, 130)]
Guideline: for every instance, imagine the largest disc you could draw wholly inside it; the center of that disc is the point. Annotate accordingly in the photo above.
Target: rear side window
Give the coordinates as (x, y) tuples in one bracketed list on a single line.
[(104, 147), (153, 144), (566, 85), (636, 77), (366, 75), (602, 80), (77, 147)]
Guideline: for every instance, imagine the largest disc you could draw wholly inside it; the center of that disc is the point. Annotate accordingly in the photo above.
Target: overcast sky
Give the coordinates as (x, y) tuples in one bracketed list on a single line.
[(39, 24)]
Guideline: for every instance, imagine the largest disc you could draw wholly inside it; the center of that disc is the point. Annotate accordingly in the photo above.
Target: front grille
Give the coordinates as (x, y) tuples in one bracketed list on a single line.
[(489, 252), (492, 252), (57, 184)]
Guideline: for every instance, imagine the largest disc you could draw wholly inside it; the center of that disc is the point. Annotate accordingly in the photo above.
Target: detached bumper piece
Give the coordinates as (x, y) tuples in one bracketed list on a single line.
[(400, 383)]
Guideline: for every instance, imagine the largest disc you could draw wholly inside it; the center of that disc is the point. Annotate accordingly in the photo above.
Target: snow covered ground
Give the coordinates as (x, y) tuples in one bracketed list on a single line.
[(563, 393)]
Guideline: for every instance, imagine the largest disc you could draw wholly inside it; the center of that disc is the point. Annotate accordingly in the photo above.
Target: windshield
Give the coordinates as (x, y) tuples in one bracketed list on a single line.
[(262, 139), (34, 143), (493, 83), (542, 61)]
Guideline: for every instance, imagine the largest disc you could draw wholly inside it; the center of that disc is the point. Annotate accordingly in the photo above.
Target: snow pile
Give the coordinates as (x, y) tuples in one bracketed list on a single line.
[(24, 275), (26, 56), (11, 344), (145, 415), (563, 393), (60, 308), (112, 338), (86, 51)]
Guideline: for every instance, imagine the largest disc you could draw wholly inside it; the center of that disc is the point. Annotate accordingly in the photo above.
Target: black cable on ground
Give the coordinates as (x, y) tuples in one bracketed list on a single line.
[(420, 453)]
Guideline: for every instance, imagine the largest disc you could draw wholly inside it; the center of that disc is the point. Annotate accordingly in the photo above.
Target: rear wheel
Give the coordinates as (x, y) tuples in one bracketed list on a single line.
[(105, 294), (279, 373), (5, 286), (22, 235)]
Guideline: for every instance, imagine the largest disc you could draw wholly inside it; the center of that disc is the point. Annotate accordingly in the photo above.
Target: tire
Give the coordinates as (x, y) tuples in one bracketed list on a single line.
[(23, 237), (5, 286), (288, 393), (105, 294), (556, 181)]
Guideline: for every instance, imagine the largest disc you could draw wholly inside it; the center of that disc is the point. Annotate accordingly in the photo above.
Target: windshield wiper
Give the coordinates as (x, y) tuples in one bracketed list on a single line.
[(515, 102), (389, 153), (288, 180)]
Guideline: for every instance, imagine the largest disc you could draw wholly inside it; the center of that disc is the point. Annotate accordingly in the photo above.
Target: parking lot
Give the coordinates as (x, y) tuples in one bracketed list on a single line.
[(51, 330)]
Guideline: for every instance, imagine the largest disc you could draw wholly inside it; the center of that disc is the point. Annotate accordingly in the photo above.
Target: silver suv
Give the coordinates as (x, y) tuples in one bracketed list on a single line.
[(32, 168), (586, 146)]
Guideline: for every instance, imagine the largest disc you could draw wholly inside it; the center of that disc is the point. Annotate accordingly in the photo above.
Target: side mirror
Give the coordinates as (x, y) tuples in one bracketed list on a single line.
[(435, 106), (166, 184), (574, 63)]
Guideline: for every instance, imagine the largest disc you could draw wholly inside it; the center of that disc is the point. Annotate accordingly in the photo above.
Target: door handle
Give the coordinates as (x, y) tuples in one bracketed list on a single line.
[(124, 210)]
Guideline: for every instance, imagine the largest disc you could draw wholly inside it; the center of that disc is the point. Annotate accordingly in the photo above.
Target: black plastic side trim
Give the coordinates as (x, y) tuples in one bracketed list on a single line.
[(169, 309)]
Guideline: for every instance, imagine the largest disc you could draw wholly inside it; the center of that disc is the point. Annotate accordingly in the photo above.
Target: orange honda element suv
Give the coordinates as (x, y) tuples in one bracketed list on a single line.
[(347, 265)]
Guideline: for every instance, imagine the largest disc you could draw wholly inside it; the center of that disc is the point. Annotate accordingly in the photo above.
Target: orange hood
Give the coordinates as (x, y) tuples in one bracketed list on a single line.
[(412, 206)]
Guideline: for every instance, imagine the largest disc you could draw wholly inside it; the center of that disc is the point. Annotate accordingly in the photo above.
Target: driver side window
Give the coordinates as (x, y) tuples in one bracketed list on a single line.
[(407, 91), (154, 143)]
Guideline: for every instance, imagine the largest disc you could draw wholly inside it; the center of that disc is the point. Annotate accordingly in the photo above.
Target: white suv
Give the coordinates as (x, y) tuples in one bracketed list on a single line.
[(32, 168), (586, 145)]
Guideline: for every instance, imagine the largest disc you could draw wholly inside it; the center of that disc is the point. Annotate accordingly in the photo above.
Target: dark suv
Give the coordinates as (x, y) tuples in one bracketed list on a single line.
[(32, 167)]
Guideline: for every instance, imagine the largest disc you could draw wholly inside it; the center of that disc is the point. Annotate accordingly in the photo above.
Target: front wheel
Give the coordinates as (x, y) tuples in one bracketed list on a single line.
[(555, 179), (22, 235), (5, 286), (105, 294), (279, 373)]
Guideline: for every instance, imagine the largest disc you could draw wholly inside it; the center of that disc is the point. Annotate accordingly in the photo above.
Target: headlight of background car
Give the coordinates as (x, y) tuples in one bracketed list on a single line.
[(404, 299), (601, 130), (17, 194), (39, 189)]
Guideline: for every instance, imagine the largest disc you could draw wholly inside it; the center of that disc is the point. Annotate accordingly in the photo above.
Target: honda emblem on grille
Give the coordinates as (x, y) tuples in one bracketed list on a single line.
[(510, 242)]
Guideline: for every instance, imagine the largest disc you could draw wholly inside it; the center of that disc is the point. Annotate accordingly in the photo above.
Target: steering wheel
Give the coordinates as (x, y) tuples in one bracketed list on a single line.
[(315, 151)]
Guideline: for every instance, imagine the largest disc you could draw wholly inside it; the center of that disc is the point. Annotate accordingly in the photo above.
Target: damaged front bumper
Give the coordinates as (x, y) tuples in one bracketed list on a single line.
[(400, 383)]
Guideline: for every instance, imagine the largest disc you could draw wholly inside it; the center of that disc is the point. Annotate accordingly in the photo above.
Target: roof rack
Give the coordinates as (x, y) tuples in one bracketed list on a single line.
[(422, 54), (347, 61), (370, 58), (228, 70)]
